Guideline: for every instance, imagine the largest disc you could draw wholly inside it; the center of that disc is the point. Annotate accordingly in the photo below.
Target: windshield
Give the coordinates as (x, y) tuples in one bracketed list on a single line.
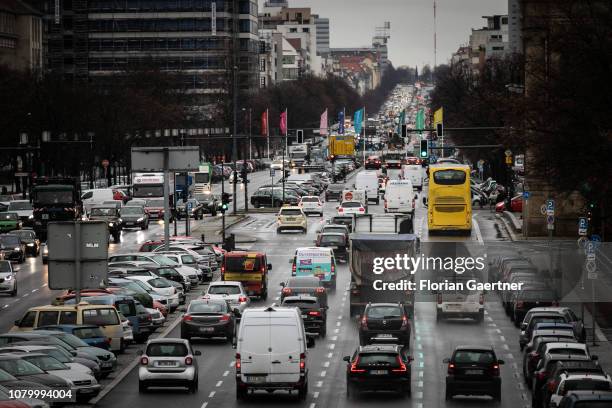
[(332, 239), (389, 359), (159, 283), (224, 290), (310, 199), (242, 264), (210, 307), (104, 212), (53, 197), (474, 356), (9, 240), (46, 363), (351, 204), (7, 216), (88, 332), (201, 178), (148, 191), (167, 350), (449, 177), (384, 312), (24, 234), (19, 206), (4, 376), (303, 282), (132, 211), (19, 367), (155, 203), (290, 212), (164, 261), (5, 266)]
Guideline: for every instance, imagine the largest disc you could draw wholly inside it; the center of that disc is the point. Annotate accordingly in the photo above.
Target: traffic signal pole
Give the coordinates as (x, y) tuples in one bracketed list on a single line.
[(222, 204)]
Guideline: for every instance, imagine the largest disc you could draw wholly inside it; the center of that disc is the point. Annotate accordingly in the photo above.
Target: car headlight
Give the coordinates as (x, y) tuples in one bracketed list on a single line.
[(141, 219), (18, 249), (31, 216), (119, 220), (111, 224), (8, 278), (30, 244)]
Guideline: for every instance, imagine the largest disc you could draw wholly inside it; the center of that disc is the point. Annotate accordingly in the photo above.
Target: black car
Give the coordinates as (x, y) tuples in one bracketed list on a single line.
[(334, 192), (385, 322), (335, 240), (473, 370), (11, 248), (373, 162), (194, 207), (273, 197), (313, 314), (29, 239), (111, 216), (304, 285), (378, 368), (346, 220), (134, 216), (207, 318)]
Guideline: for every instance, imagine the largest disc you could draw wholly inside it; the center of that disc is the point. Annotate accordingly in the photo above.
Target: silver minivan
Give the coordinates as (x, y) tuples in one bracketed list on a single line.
[(271, 351)]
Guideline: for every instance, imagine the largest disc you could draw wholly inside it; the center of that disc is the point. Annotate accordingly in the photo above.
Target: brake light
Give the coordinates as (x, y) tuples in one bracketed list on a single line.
[(224, 318), (144, 360), (354, 368), (495, 370), (451, 368), (286, 291), (402, 368), (361, 209), (188, 361), (364, 322), (320, 289), (238, 363), (413, 204), (293, 269), (242, 299), (314, 313), (333, 269), (340, 209), (481, 300), (222, 272), (404, 321), (519, 304), (542, 375), (552, 385), (187, 318), (302, 362)]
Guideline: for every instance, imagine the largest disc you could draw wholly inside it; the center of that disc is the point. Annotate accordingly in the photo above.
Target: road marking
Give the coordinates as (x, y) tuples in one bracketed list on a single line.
[(421, 373), (421, 355), (421, 364), (212, 394), (219, 384), (225, 373), (419, 395), (338, 324), (332, 346), (502, 338), (277, 298), (334, 338), (326, 364), (26, 295), (340, 317), (520, 385), (486, 312), (515, 366), (419, 405), (418, 338), (509, 356), (336, 331), (498, 331), (477, 230), (5, 306), (489, 318), (420, 384), (319, 384), (524, 396), (34, 290), (204, 405), (506, 347), (315, 395), (419, 346), (323, 373), (312, 405), (44, 284)]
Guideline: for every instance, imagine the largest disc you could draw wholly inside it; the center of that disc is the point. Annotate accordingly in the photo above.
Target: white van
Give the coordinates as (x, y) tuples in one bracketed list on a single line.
[(414, 173), (271, 351), (95, 197), (368, 180), (400, 197)]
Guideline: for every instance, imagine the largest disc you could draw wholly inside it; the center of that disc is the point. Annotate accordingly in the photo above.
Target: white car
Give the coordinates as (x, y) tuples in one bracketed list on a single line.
[(578, 381), (162, 287), (351, 207), (311, 204), (128, 333), (61, 355), (157, 259), (278, 164), (460, 304), (23, 208), (157, 318), (231, 291), (8, 278)]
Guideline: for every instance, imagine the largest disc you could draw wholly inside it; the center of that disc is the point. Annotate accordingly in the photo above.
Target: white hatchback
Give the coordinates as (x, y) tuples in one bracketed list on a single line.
[(230, 291), (351, 207), (311, 204)]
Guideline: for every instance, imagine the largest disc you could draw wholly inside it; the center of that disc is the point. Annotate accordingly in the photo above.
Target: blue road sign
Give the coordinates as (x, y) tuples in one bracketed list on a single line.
[(596, 240), (526, 195), (583, 226), (550, 207), (189, 205)]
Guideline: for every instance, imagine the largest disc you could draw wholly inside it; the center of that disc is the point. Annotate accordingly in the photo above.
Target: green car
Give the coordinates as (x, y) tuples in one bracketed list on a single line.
[(9, 221)]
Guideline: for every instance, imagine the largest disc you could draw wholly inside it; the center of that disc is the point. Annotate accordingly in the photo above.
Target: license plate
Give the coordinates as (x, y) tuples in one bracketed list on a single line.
[(473, 372), (129, 223), (379, 372), (304, 316), (385, 336), (105, 364), (207, 329), (166, 363), (290, 219), (45, 216), (258, 379)]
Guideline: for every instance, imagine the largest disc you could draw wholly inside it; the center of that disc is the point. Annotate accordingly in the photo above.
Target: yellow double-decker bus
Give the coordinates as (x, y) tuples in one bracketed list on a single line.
[(450, 198)]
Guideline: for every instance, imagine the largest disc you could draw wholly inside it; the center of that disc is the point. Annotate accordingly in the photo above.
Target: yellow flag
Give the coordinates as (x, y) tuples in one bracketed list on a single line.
[(438, 116)]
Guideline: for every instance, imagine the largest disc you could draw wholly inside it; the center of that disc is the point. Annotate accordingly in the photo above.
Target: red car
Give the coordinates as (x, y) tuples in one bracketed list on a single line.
[(516, 204)]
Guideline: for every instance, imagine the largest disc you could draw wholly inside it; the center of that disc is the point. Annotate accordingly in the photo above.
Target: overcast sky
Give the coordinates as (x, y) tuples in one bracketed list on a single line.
[(353, 23)]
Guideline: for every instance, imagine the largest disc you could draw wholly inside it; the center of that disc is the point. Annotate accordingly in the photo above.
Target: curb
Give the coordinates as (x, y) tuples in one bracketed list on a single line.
[(235, 222), (515, 222), (508, 228)]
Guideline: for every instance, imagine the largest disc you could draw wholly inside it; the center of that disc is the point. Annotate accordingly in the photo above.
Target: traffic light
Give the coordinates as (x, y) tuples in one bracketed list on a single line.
[(299, 136), (439, 129), (424, 149), (404, 131), (225, 200)]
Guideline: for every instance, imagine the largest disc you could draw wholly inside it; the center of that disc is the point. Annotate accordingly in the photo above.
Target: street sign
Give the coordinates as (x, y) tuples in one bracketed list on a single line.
[(526, 195), (550, 207), (508, 159), (583, 226), (590, 257), (582, 241), (592, 275), (550, 219), (189, 206), (543, 209), (591, 266), (272, 172), (508, 153), (596, 240)]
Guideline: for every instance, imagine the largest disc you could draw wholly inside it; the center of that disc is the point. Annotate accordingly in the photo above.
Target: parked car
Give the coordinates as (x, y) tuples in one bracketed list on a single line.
[(9, 221), (8, 278), (12, 249)]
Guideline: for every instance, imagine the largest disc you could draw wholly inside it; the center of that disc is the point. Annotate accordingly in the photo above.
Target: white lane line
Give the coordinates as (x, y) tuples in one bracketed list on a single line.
[(515, 366), (323, 373), (419, 405), (315, 395), (26, 295), (421, 355), (34, 290), (502, 338), (340, 317), (332, 346), (477, 229), (5, 306), (488, 318), (338, 324), (225, 373), (510, 356), (319, 384), (419, 395), (312, 405), (233, 363), (326, 364), (219, 384), (330, 355), (498, 331), (334, 338), (521, 386), (44, 284), (212, 394), (276, 298), (336, 331), (204, 405), (486, 312), (420, 384), (506, 347), (419, 346), (421, 364), (421, 373)]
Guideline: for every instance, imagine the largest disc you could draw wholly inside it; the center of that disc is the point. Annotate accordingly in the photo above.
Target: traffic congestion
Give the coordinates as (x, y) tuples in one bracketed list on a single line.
[(286, 311)]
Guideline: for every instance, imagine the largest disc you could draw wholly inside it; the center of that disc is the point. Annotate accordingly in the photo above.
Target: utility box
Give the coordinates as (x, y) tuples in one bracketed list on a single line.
[(77, 247)]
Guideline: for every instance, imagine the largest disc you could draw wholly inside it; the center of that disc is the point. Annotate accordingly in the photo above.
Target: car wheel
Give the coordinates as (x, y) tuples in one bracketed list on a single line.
[(142, 387), (438, 317), (144, 227), (14, 291), (303, 391), (323, 331), (480, 317), (193, 386)]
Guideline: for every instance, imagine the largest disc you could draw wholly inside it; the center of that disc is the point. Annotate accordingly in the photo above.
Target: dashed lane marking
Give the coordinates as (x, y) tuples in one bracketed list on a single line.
[(338, 324), (326, 364), (204, 405), (330, 355), (502, 338), (319, 384), (5, 306), (506, 347), (233, 363), (334, 338), (225, 374), (336, 331), (212, 394), (323, 373), (34, 290), (312, 405), (315, 395), (421, 373), (219, 384), (419, 395), (498, 331), (420, 384), (26, 295), (332, 346)]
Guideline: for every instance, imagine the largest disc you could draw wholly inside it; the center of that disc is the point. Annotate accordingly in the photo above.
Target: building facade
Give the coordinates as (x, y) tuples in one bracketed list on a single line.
[(21, 36), (515, 37)]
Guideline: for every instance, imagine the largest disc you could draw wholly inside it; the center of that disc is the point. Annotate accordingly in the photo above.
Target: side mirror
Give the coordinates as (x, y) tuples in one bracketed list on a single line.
[(501, 362), (425, 201), (282, 284), (237, 313), (269, 266), (197, 353), (416, 196), (523, 326), (446, 360), (347, 359)]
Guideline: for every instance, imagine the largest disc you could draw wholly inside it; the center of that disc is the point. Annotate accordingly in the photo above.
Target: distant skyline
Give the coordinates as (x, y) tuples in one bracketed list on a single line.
[(353, 23)]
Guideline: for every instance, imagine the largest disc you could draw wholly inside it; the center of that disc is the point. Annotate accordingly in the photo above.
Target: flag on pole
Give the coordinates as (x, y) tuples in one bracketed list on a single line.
[(358, 121), (264, 123), (438, 116), (323, 125), (283, 123), (341, 122)]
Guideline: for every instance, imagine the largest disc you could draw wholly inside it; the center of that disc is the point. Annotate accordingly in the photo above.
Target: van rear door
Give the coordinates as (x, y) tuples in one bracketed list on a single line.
[(285, 349), (255, 350)]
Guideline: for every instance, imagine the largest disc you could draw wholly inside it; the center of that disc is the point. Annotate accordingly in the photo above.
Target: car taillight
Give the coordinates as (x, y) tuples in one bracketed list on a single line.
[(224, 318), (340, 209), (354, 368), (188, 361), (439, 299), (187, 318), (320, 289), (242, 299), (333, 269), (361, 209), (542, 375), (302, 362), (286, 291), (314, 313), (555, 303), (293, 269), (364, 322), (413, 204), (451, 368), (495, 370), (552, 385), (481, 300), (144, 360), (238, 363), (404, 321), (402, 367), (519, 304), (385, 203), (222, 272)]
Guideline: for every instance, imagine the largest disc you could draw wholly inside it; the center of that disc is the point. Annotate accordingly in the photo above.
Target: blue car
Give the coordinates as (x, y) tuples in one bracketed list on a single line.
[(90, 334)]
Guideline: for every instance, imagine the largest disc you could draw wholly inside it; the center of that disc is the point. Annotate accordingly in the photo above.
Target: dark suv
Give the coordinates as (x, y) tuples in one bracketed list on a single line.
[(473, 370), (314, 315), (385, 322), (378, 368)]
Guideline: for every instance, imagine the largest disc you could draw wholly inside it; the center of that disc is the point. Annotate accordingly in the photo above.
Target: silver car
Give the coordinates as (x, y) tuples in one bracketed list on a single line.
[(8, 279), (168, 362)]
